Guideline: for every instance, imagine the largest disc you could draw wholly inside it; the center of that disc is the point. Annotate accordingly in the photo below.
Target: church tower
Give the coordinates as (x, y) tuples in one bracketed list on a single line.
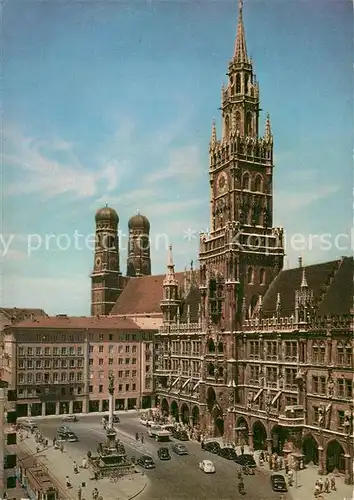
[(171, 302), (105, 278), (243, 253), (139, 262)]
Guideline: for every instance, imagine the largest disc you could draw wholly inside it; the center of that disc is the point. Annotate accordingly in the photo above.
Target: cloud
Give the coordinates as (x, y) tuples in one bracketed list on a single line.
[(39, 171), (184, 164), (290, 201)]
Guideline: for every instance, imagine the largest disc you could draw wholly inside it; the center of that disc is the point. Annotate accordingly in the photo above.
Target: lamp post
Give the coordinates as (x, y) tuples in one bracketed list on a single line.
[(348, 426)]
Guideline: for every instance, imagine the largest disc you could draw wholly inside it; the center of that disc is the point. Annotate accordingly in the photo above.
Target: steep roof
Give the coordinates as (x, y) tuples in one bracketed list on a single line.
[(331, 282), (142, 295), (79, 322), (20, 314)]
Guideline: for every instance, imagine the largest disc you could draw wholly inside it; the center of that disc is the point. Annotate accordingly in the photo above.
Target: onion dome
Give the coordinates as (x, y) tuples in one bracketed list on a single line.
[(139, 222), (107, 214)]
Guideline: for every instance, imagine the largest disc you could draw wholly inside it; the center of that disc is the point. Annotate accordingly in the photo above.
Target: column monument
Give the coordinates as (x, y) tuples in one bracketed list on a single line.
[(111, 401)]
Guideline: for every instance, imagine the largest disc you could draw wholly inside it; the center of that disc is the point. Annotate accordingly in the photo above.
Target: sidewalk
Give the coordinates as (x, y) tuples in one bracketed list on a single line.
[(60, 465), (80, 415)]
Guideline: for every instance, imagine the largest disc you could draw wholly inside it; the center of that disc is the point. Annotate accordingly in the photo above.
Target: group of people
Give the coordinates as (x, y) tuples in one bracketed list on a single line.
[(325, 486)]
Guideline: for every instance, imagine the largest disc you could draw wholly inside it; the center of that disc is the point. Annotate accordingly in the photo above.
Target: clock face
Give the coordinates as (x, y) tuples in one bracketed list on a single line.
[(222, 183)]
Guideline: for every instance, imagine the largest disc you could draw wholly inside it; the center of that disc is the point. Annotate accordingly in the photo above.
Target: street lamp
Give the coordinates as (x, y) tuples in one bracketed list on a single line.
[(348, 426)]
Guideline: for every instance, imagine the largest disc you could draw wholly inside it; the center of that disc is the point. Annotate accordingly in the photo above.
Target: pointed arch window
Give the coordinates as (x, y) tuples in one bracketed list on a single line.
[(258, 184), (246, 181), (250, 275), (238, 83), (261, 276), (246, 84), (238, 121), (249, 124), (227, 126)]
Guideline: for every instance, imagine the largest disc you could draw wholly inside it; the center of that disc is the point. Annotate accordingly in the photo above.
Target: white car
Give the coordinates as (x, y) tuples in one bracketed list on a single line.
[(143, 421), (207, 466)]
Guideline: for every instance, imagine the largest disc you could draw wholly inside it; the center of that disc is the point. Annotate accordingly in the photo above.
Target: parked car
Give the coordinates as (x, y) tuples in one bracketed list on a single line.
[(29, 424), (207, 466), (180, 449), (71, 437), (163, 454), (278, 483), (180, 435), (228, 453), (146, 462), (70, 418), (246, 460), (212, 447)]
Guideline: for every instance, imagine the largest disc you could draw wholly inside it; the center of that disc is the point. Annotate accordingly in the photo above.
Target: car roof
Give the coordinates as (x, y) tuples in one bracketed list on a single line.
[(146, 457), (208, 462)]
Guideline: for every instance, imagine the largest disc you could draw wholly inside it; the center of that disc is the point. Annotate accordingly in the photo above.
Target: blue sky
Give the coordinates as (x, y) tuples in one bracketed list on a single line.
[(113, 101)]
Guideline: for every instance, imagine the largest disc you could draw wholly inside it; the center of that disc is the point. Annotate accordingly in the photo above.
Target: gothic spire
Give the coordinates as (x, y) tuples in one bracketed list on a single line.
[(303, 279), (213, 139), (268, 130), (240, 54)]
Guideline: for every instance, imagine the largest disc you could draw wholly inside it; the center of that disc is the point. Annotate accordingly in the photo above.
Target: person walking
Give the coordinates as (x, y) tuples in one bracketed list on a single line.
[(79, 493), (326, 485), (333, 484)]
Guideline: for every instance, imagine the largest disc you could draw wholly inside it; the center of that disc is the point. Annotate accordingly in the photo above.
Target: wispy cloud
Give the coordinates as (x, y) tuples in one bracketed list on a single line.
[(184, 164), (42, 173), (290, 201)]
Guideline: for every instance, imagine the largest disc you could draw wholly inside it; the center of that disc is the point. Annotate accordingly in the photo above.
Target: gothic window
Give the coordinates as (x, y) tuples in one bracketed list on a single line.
[(211, 346), (322, 353), (238, 120), (246, 84), (348, 354), (250, 275), (238, 83), (211, 369), (262, 276), (258, 184), (227, 126), (246, 181), (249, 126), (340, 354), (220, 347)]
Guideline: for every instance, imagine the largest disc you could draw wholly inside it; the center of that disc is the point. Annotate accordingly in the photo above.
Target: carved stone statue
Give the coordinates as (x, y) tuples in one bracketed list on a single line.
[(111, 383), (321, 416), (330, 387)]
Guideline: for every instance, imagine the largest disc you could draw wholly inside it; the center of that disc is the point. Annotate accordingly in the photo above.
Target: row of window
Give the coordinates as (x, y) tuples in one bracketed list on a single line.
[(121, 388), (343, 389), (30, 393), (48, 351), (120, 348), (121, 373), (272, 349), (188, 348), (47, 378), (121, 361), (272, 376), (93, 337), (47, 364)]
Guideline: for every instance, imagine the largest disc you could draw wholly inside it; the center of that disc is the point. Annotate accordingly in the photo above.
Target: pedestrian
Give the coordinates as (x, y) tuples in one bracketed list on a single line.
[(75, 468), (326, 485), (79, 493), (286, 469), (142, 438), (62, 447), (38, 448), (333, 484), (68, 482), (317, 490), (320, 484), (54, 442)]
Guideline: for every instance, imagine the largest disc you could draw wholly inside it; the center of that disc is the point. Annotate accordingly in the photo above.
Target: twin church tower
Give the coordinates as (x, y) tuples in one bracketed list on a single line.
[(107, 281)]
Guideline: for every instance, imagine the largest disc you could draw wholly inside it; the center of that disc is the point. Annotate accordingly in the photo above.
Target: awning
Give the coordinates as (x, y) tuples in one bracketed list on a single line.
[(258, 394), (175, 382), (196, 385), (276, 397), (186, 382)]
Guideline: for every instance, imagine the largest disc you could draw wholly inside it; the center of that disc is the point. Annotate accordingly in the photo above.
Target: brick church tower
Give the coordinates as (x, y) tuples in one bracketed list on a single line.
[(105, 277), (243, 253), (139, 261)]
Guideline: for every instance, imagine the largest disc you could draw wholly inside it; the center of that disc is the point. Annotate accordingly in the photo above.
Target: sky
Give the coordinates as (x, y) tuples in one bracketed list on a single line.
[(113, 101)]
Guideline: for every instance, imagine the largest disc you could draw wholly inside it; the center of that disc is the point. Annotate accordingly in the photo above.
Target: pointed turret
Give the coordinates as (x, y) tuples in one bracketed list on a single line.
[(303, 279), (213, 139), (268, 130), (171, 298), (240, 54), (278, 306), (170, 278)]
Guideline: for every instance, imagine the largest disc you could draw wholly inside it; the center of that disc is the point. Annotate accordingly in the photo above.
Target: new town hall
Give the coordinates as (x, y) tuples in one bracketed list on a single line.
[(242, 348)]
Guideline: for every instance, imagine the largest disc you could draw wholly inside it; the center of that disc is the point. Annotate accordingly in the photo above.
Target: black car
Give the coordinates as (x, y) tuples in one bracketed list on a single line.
[(246, 460), (163, 454), (212, 447), (278, 483), (228, 453), (180, 435), (146, 462), (116, 419), (180, 449)]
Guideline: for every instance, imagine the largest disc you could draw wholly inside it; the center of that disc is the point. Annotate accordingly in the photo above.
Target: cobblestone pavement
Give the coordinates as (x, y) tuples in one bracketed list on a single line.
[(60, 466)]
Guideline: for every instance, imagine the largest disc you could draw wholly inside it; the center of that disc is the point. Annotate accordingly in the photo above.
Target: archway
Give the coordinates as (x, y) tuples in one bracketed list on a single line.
[(219, 427), (279, 436), (242, 431), (310, 449), (195, 415), (211, 398), (164, 407), (174, 410), (259, 436), (185, 413), (335, 457)]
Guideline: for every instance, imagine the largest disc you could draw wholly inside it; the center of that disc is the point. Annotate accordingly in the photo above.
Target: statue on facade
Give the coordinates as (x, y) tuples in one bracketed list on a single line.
[(330, 387), (321, 416), (111, 383)]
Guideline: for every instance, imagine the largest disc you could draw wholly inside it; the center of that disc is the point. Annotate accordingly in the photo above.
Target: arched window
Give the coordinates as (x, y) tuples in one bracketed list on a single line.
[(322, 357), (246, 181), (262, 276), (246, 84), (238, 121), (227, 126), (249, 124), (211, 345), (250, 275), (220, 347), (238, 83), (258, 184), (211, 369)]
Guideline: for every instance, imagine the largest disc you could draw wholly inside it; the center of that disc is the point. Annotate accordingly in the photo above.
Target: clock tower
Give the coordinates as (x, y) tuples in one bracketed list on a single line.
[(105, 278)]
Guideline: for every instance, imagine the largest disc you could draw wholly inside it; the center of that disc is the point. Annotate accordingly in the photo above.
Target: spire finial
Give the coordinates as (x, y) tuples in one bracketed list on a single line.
[(213, 139), (240, 54), (268, 130), (170, 263), (303, 279), (106, 205)]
